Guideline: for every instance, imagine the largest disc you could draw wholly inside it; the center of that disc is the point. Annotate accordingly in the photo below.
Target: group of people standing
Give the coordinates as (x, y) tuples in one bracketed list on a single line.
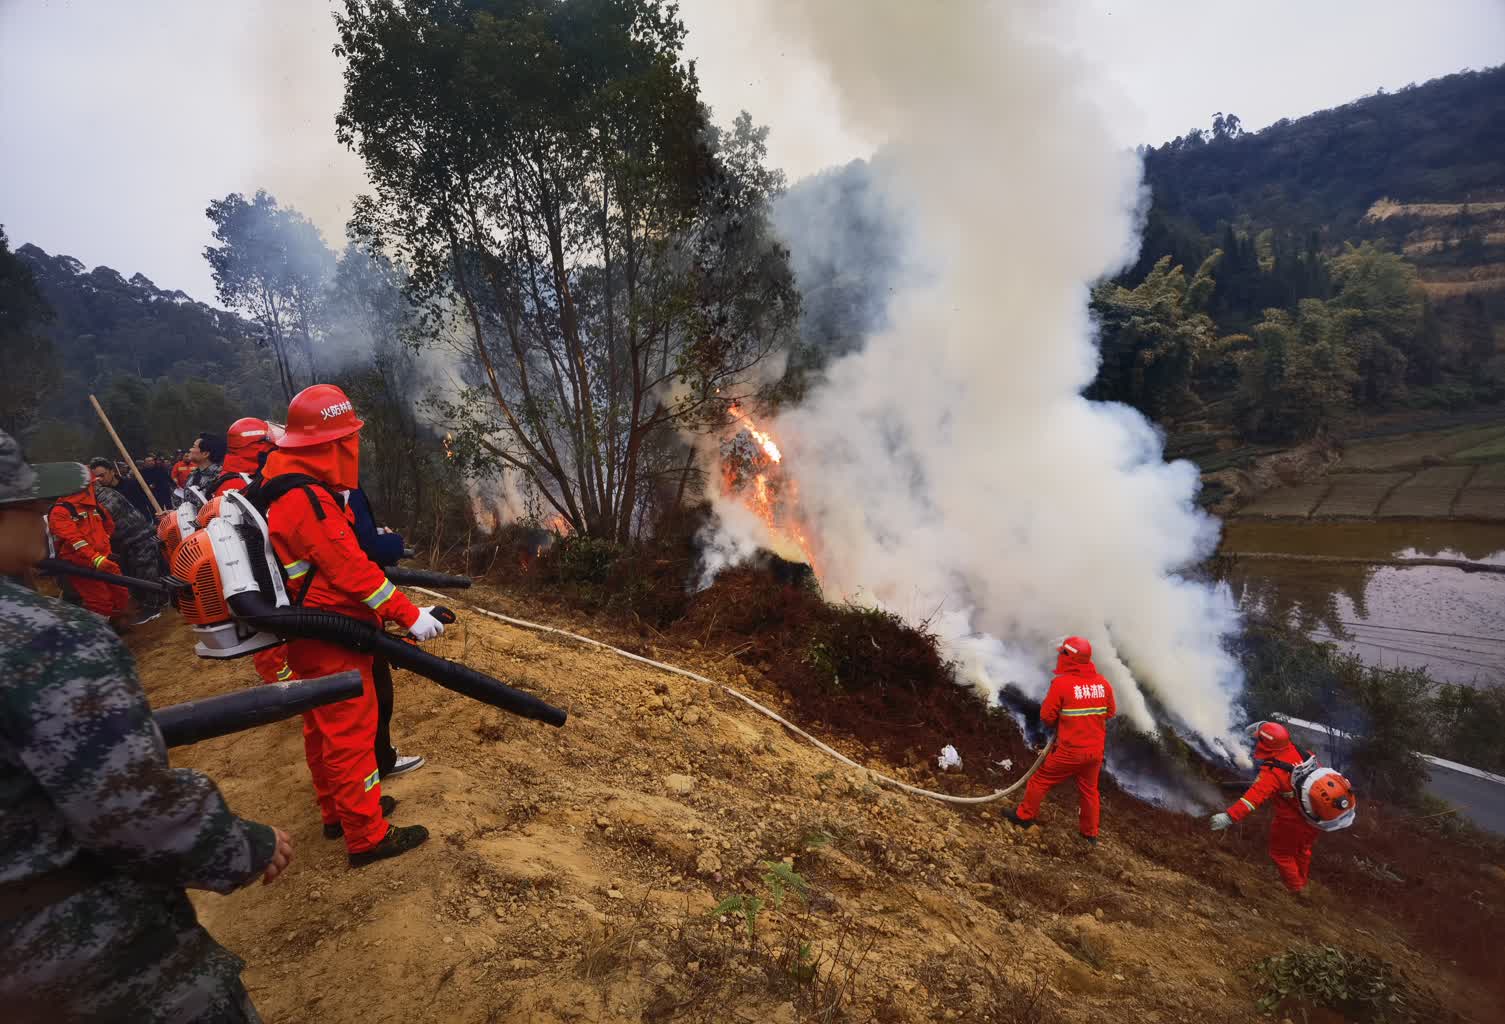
[(110, 523), (99, 835)]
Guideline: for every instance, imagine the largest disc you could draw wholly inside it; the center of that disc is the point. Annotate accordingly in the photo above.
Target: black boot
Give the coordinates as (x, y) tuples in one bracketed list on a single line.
[(336, 830), (398, 840), (1012, 815)]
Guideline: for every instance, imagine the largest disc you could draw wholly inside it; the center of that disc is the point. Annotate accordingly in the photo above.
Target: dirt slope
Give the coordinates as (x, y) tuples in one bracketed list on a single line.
[(570, 872)]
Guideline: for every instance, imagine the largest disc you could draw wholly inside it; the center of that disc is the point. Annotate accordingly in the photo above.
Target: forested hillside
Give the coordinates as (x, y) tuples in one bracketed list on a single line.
[(164, 365), (1292, 280), (1345, 264)]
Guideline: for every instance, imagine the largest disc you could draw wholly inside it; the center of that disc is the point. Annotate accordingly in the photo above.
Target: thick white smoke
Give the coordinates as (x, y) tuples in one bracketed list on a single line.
[(950, 462)]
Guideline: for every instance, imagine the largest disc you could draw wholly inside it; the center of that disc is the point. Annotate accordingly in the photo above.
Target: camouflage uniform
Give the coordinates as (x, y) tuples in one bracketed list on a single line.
[(99, 837), (134, 543), (202, 478)]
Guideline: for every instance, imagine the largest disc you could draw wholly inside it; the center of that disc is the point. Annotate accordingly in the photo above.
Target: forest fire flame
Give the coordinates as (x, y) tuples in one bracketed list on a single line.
[(754, 471)]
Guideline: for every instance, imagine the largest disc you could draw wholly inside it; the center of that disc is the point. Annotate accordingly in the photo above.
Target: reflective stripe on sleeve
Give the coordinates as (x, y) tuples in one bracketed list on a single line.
[(80, 544), (1246, 803), (379, 596), (98, 560), (296, 570), (1079, 712), (284, 673)]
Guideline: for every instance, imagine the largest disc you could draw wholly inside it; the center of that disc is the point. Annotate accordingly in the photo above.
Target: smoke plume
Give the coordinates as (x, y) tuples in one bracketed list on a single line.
[(949, 468)]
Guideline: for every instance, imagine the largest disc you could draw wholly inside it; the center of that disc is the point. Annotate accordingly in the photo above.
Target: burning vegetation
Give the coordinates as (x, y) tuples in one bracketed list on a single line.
[(753, 471)]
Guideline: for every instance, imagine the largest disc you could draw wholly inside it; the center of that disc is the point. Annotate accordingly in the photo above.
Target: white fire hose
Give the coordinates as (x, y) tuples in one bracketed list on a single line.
[(838, 755)]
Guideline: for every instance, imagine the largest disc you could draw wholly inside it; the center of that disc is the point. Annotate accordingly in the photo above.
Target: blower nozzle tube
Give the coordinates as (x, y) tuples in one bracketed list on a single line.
[(302, 623), (402, 576), (205, 719), (58, 567)]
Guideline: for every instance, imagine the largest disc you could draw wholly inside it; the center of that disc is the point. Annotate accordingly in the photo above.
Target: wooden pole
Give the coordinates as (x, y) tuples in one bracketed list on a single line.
[(125, 454)]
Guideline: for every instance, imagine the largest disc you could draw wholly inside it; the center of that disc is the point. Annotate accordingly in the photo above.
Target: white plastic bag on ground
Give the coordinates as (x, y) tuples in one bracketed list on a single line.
[(949, 758)]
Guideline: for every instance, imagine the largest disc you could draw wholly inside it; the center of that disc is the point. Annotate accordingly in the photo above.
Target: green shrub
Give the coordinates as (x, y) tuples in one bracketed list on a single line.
[(1359, 987), (584, 559)]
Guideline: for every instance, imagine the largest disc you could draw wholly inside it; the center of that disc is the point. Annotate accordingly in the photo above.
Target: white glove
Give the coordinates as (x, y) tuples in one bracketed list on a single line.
[(426, 627), (1220, 821)]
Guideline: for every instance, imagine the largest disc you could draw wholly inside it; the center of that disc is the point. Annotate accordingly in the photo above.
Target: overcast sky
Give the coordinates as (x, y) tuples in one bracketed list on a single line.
[(119, 121)]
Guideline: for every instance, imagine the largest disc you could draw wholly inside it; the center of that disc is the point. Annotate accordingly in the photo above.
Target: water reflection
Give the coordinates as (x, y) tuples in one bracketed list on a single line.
[(1450, 622)]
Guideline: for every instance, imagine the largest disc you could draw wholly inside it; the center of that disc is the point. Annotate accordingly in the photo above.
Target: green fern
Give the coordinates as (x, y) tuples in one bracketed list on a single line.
[(781, 879)]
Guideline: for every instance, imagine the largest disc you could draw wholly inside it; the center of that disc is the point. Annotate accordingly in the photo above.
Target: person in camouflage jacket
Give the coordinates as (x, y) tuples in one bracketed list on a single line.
[(99, 836), (134, 542), (206, 455)]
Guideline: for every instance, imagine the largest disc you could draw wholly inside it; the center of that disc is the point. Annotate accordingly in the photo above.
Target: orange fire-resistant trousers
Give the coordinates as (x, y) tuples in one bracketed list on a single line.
[(101, 598), (271, 664), (1063, 764), (1291, 840), (338, 740)]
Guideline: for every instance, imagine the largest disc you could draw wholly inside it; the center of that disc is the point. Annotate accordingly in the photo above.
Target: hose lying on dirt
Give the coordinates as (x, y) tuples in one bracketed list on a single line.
[(355, 635), (196, 720), (824, 748)]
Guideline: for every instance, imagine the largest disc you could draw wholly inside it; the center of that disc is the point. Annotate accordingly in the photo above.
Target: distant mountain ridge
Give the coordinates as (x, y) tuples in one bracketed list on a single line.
[(134, 345)]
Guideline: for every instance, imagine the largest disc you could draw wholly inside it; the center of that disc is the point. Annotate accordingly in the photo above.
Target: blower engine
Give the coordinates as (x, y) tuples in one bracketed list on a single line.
[(227, 557), (179, 524)]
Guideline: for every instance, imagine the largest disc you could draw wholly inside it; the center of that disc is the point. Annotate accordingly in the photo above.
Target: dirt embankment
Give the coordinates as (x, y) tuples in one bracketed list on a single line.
[(571, 872)]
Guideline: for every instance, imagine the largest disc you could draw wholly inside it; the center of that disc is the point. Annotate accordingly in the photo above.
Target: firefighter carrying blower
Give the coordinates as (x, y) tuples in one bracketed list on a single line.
[(317, 458), (1079, 704), (1311, 799)]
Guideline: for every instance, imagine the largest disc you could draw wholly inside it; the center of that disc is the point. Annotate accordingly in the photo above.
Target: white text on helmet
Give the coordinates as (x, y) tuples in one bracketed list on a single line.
[(330, 412)]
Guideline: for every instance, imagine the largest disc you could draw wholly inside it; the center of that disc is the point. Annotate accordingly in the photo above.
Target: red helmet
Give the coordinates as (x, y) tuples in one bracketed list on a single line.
[(1075, 648), (1271, 734), (318, 415), (247, 434)]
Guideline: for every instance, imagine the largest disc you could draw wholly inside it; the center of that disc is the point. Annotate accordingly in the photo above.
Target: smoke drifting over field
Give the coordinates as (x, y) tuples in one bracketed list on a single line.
[(949, 461)]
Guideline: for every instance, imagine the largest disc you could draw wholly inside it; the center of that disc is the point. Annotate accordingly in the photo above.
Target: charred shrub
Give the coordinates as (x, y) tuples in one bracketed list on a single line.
[(857, 648)]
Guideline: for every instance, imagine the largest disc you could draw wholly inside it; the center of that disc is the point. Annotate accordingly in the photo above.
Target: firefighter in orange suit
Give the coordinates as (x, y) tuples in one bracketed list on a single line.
[(1291, 836), (304, 480), (1079, 704), (82, 529), (248, 442)]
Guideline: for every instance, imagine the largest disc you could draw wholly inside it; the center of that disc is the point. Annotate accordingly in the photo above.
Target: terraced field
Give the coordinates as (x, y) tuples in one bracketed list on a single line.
[(1444, 474)]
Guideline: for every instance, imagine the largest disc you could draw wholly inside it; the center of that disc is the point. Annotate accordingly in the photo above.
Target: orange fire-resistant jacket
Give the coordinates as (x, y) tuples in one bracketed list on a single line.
[(1270, 782), (323, 542), (1079, 704), (82, 529)]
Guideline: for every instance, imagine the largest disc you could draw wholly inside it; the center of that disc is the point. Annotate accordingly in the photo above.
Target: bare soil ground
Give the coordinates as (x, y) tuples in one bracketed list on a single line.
[(571, 872)]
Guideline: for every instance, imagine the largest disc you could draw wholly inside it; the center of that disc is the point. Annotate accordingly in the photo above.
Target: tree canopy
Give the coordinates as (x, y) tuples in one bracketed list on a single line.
[(594, 251)]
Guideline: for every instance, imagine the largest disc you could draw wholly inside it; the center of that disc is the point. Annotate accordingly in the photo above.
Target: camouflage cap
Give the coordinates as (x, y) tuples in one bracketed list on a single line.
[(20, 482)]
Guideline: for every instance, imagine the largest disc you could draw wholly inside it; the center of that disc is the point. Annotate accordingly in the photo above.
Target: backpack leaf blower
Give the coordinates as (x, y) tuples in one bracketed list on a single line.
[(238, 604)]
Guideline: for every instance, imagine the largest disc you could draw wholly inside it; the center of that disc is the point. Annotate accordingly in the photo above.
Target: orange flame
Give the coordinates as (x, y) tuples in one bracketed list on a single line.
[(774, 495)]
